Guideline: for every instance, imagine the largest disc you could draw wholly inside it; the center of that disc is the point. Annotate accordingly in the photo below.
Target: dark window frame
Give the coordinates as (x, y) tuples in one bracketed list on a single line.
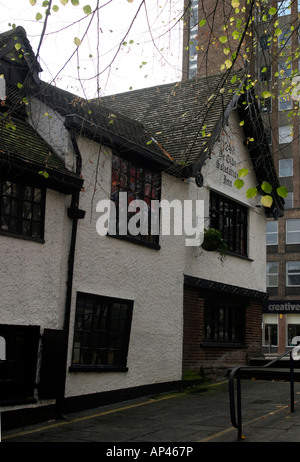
[(130, 177), (224, 322), (223, 211), (96, 335), (21, 214)]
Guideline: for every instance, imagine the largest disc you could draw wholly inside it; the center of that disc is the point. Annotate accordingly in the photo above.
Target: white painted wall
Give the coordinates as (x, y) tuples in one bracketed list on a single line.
[(231, 153), (34, 275)]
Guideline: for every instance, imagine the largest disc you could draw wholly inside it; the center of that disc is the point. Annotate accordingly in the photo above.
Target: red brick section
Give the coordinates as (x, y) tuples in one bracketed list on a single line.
[(200, 358)]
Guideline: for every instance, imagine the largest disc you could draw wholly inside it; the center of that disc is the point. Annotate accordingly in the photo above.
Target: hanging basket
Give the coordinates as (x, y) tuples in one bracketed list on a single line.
[(210, 244), (213, 241)]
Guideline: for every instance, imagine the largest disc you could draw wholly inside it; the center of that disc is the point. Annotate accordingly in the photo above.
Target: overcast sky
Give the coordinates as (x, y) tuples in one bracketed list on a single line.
[(138, 64)]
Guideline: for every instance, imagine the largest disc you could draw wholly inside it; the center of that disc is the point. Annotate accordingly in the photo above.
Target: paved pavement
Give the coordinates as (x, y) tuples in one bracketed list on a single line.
[(182, 419)]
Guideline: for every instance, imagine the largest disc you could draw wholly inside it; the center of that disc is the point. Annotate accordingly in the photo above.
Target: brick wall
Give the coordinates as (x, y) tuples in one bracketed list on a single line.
[(214, 360)]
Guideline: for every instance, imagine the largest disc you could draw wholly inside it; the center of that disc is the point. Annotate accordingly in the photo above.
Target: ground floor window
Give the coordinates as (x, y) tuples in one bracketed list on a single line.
[(102, 330), (224, 322), (18, 370), (293, 327), (270, 333)]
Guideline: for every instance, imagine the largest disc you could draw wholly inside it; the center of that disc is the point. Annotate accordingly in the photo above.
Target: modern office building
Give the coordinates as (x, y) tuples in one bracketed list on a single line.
[(274, 41)]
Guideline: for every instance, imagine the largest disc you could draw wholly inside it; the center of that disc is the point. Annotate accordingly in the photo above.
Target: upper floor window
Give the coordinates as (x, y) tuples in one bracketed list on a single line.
[(293, 231), (272, 274), (231, 218), (285, 134), (265, 41), (272, 232), (22, 209), (139, 184), (288, 201), (265, 73), (293, 273), (285, 103), (102, 330), (285, 167), (284, 7)]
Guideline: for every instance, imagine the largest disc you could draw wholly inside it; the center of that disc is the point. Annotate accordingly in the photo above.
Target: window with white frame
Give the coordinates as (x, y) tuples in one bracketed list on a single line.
[(284, 7), (272, 232), (293, 273), (293, 327), (285, 102), (293, 231), (285, 134), (270, 330), (285, 167), (289, 201), (272, 274), (284, 70), (285, 38)]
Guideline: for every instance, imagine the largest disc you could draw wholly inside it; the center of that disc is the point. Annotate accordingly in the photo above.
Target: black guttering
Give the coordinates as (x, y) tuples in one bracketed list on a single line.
[(104, 136), (75, 213)]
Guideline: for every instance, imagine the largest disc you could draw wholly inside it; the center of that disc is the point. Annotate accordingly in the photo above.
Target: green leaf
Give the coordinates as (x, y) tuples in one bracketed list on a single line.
[(228, 63), (239, 183), (32, 2), (223, 39), (251, 192), (282, 191), (38, 16), (18, 46), (266, 187), (243, 172), (202, 22), (266, 94), (75, 2), (242, 123), (272, 11), (267, 201), (55, 8), (77, 41), (64, 2), (87, 9)]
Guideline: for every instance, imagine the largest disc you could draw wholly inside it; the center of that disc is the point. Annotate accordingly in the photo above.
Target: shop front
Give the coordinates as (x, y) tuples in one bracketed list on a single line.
[(281, 323)]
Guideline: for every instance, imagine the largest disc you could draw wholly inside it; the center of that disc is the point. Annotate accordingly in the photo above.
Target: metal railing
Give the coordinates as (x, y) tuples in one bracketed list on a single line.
[(236, 374)]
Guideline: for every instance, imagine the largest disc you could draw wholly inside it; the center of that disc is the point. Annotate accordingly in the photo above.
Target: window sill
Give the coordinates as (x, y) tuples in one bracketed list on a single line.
[(238, 255), (92, 368), (150, 245), (221, 345), (20, 236)]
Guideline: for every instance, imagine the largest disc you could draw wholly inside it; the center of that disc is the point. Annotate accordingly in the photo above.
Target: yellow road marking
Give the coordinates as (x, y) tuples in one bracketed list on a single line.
[(111, 411)]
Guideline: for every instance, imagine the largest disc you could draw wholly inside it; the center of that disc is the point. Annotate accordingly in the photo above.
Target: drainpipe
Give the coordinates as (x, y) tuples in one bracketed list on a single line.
[(75, 214)]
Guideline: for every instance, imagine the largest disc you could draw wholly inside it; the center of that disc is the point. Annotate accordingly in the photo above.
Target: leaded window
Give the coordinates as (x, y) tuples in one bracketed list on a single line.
[(140, 184), (21, 209), (230, 218), (102, 330), (224, 322)]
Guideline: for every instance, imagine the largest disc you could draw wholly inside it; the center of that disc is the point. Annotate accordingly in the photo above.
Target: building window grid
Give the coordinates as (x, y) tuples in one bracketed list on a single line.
[(230, 218), (272, 233), (293, 273), (224, 323), (140, 184), (272, 274), (102, 329), (293, 231), (22, 209), (285, 167)]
